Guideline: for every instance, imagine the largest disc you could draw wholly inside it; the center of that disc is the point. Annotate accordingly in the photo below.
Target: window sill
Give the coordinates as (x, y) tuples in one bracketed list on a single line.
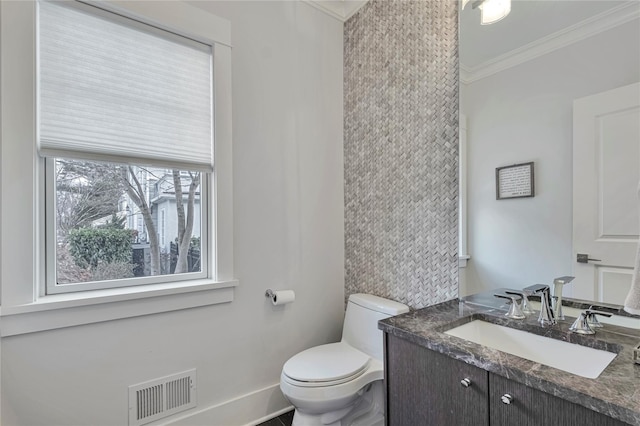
[(73, 309), (462, 260)]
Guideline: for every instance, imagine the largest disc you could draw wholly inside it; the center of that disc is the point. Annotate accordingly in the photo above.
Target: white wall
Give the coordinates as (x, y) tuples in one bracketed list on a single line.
[(288, 207), (524, 114)]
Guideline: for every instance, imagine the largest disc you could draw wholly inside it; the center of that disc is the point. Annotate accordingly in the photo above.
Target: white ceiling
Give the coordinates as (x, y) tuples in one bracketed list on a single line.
[(533, 28), (528, 22)]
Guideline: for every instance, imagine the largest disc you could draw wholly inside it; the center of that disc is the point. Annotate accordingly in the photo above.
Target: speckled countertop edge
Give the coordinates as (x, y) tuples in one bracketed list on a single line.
[(615, 393)]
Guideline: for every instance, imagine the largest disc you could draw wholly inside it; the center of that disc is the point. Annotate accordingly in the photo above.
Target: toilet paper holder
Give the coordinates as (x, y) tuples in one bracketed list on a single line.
[(280, 297)]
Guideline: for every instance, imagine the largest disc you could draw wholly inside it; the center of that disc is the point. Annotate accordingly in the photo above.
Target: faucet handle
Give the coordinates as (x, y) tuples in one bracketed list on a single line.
[(526, 308), (592, 319), (582, 325), (514, 310), (591, 311)]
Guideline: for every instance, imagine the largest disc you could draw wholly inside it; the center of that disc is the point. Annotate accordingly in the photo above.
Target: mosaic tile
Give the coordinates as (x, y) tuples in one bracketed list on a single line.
[(401, 151)]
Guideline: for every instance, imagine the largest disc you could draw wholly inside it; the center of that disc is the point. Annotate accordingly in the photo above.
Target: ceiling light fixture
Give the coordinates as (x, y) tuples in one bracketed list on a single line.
[(491, 11)]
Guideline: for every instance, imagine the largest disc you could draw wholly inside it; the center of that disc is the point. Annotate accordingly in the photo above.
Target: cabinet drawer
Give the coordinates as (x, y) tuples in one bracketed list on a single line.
[(424, 388), (533, 407)]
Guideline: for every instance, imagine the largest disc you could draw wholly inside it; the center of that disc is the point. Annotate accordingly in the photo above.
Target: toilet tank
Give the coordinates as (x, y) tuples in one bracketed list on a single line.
[(360, 328)]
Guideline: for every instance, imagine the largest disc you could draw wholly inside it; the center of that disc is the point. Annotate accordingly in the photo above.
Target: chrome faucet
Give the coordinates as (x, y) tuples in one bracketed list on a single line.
[(582, 325), (546, 312), (558, 285)]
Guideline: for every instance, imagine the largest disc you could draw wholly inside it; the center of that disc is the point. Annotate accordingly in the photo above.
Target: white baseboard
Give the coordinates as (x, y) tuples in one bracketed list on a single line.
[(246, 410)]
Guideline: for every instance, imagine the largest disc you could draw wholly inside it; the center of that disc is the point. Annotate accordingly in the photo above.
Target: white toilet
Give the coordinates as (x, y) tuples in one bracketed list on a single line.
[(340, 384)]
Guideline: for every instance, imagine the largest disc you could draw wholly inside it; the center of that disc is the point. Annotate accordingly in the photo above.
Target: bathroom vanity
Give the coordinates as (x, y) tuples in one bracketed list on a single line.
[(435, 378)]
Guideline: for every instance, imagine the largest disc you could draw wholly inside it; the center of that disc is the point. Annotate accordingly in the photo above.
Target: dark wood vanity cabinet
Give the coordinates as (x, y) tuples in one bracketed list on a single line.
[(424, 387)]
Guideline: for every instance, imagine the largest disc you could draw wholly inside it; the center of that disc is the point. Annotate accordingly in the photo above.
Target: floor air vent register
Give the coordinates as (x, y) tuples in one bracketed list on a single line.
[(163, 397)]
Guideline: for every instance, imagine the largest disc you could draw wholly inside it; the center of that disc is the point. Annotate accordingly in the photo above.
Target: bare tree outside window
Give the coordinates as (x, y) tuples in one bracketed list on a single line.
[(107, 221)]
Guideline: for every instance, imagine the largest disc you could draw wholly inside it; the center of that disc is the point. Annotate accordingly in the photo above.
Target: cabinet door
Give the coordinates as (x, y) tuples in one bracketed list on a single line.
[(424, 388), (533, 407)]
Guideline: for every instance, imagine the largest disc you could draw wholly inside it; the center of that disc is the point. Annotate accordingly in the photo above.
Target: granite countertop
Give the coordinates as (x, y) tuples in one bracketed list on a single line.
[(615, 393)]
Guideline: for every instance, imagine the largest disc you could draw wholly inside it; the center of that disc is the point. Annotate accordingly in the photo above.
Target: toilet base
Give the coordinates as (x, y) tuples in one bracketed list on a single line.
[(368, 410)]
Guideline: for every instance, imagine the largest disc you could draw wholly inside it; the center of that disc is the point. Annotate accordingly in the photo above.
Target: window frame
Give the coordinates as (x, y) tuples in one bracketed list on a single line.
[(25, 306), (463, 255), (50, 196)]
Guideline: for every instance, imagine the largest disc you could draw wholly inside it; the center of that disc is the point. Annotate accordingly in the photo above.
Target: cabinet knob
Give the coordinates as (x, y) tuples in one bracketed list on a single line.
[(466, 382), (506, 399)]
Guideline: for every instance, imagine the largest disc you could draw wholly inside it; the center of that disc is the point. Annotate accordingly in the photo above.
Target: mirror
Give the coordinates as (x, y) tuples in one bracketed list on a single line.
[(519, 78)]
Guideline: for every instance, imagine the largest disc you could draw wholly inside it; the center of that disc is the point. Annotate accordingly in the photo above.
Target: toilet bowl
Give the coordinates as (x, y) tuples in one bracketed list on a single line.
[(340, 384)]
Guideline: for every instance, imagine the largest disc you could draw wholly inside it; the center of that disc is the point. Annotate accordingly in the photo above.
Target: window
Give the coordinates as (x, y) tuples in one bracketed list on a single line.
[(27, 304), (97, 233), (125, 119)]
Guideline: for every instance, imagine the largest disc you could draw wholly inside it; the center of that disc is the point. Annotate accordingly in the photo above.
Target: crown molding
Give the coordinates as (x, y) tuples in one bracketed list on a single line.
[(339, 9), (589, 27)]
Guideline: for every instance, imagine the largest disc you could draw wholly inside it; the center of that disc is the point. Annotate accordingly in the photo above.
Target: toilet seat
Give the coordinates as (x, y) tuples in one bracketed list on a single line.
[(325, 365), (323, 397)]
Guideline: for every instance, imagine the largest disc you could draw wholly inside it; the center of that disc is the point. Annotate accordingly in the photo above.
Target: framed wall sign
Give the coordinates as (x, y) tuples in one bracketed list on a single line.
[(515, 181)]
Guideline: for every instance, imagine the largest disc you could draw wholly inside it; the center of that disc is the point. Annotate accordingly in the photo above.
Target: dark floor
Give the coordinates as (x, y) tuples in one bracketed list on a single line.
[(282, 420)]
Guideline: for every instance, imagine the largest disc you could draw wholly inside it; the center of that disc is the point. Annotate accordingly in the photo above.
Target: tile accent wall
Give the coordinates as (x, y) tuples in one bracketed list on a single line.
[(401, 151)]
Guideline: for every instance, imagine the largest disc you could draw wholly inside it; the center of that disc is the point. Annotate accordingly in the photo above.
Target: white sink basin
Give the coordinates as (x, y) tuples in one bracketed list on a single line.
[(580, 360), (619, 320)]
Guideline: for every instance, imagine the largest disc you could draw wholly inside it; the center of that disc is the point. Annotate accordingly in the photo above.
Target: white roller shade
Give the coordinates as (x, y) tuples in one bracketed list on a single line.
[(114, 88)]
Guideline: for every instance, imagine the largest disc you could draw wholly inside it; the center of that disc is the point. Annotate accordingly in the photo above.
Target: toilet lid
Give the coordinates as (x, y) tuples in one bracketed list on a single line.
[(326, 363)]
